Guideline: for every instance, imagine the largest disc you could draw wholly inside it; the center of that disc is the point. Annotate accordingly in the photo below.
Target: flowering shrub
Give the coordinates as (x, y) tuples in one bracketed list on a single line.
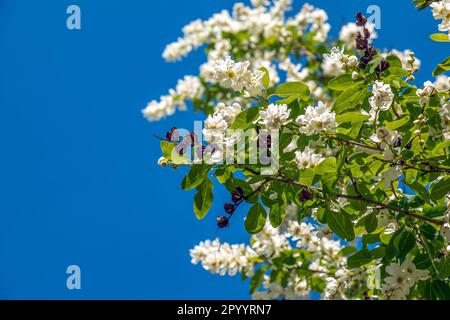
[(355, 204)]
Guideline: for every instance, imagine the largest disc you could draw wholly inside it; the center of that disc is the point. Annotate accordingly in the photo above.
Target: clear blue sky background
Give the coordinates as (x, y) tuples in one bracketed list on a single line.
[(79, 182)]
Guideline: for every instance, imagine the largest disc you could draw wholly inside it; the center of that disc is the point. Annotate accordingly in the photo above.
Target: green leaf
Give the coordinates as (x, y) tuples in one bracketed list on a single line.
[(256, 280), (372, 65), (343, 82), (394, 61), (288, 89), (397, 124), (420, 190), (195, 176), (265, 78), (166, 148), (442, 67), (440, 189), (439, 37), (349, 99), (256, 219), (340, 223), (351, 117), (203, 198), (327, 166), (276, 215), (404, 243), (371, 222), (348, 250), (358, 259), (245, 118)]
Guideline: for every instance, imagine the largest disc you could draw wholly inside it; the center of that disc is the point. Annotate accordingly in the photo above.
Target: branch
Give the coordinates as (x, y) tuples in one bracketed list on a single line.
[(362, 198)]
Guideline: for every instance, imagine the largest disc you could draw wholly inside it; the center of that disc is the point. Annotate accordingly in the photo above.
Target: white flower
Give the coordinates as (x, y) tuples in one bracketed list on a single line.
[(228, 113), (442, 83), (162, 162), (275, 116), (231, 74), (292, 146), (445, 231), (441, 11), (425, 93), (215, 127), (336, 62), (308, 158), (390, 175), (316, 120), (445, 118), (401, 278), (223, 258), (382, 96)]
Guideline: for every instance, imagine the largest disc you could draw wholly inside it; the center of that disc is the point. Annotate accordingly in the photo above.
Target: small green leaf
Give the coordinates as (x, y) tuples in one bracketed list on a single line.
[(265, 78), (404, 243), (349, 99), (166, 148), (288, 89), (397, 124), (394, 61), (203, 198), (358, 259), (343, 82), (256, 280), (351, 117), (245, 118), (256, 219), (442, 67), (440, 189), (276, 215), (327, 166), (439, 37), (340, 223), (371, 222), (195, 176)]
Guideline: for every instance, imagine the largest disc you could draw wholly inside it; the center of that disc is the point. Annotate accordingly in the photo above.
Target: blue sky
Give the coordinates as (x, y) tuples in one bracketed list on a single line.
[(79, 182)]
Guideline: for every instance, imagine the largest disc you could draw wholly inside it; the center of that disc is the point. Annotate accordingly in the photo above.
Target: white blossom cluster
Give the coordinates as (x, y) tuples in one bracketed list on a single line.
[(223, 258), (402, 277), (308, 158), (336, 62), (317, 119), (445, 228), (237, 76), (381, 100), (217, 124), (441, 11), (425, 94), (274, 116), (188, 88), (264, 21)]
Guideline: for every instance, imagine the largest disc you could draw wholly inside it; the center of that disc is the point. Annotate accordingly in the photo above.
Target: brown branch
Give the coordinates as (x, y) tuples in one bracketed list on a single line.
[(362, 198)]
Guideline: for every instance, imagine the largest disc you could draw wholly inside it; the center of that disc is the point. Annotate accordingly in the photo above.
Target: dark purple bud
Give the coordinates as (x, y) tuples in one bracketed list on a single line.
[(222, 222), (229, 208), (173, 135), (361, 42), (305, 195), (237, 194), (398, 142), (384, 65), (360, 20), (371, 51)]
